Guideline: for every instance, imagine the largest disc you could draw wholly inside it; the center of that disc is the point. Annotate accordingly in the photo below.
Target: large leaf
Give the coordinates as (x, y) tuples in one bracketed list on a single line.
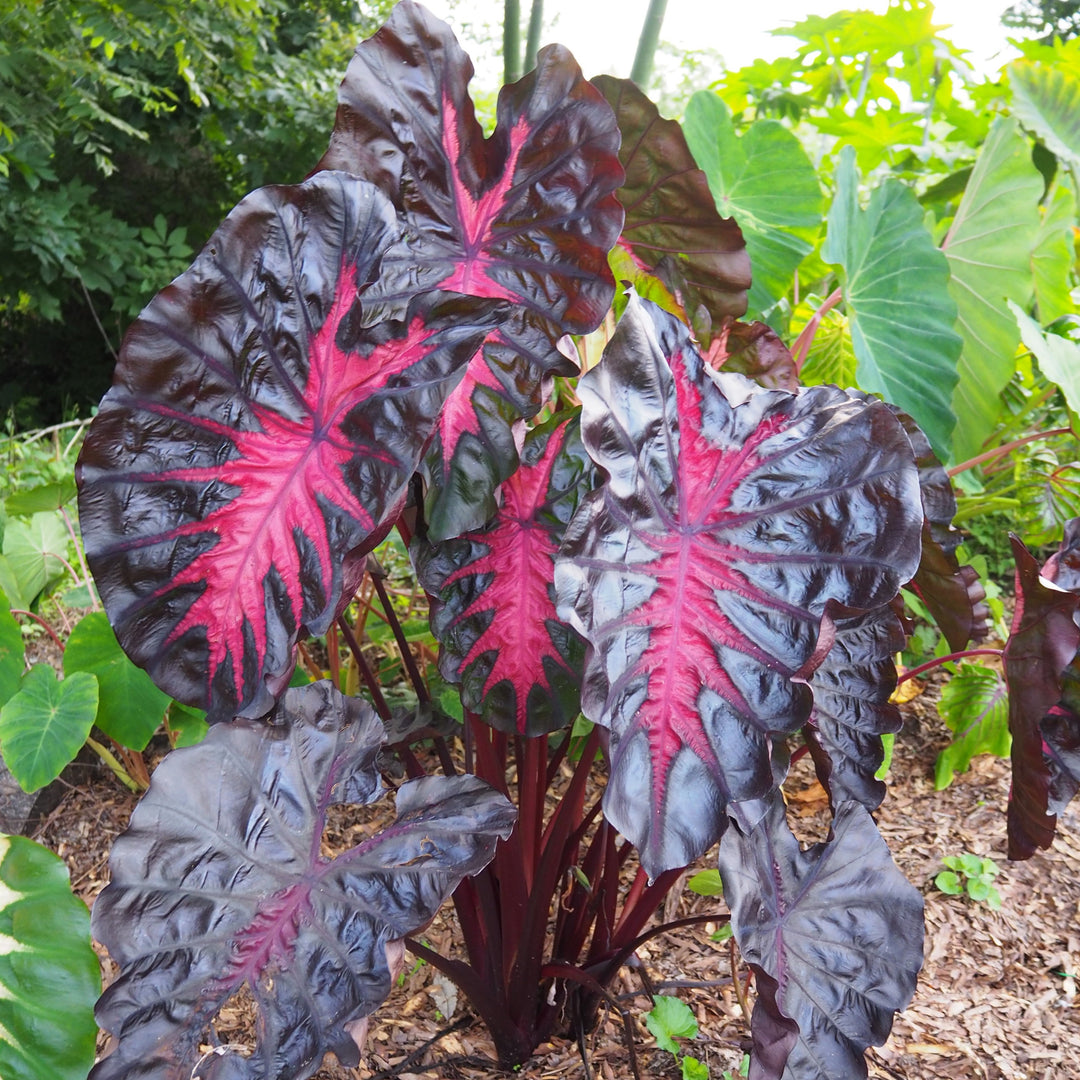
[(900, 315), (700, 570), (767, 183), (974, 704), (494, 606), (43, 726), (836, 927), (1046, 99), (130, 706), (12, 652), (670, 211), (1043, 641), (256, 437), (1052, 255), (244, 896), (49, 974), (1058, 357), (42, 498), (852, 709), (34, 550), (989, 250)]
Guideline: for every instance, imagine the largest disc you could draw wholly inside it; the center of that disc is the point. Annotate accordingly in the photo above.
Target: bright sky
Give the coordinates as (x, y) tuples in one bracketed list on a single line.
[(602, 34)]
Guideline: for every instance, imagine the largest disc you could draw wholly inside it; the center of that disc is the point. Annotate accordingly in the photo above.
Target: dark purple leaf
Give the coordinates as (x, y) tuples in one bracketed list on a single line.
[(1063, 567), (699, 572), (219, 883), (836, 927), (754, 350), (1061, 752), (256, 436), (1042, 643), (671, 216), (494, 605), (852, 708)]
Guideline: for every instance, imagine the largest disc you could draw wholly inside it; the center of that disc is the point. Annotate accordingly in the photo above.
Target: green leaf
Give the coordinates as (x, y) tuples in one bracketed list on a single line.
[(187, 724), (974, 704), (706, 883), (692, 1069), (9, 585), (766, 182), (1046, 99), (12, 652), (668, 1020), (130, 706), (49, 974), (44, 497), (895, 291), (978, 890), (1059, 358), (948, 883), (43, 726), (888, 744), (989, 250), (970, 864), (1052, 256), (33, 550), (831, 358)]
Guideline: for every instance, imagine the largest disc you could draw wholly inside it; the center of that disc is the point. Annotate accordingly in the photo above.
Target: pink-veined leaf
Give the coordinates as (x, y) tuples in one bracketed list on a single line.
[(494, 613), (220, 883), (700, 570), (258, 437)]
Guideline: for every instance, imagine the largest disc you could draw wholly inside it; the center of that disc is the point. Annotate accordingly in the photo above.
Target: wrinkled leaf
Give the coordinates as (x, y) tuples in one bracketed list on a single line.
[(494, 610), (756, 351), (45, 723), (837, 927), (900, 315), (130, 706), (671, 216), (989, 248), (831, 358), (700, 570), (49, 974), (256, 438), (974, 704), (245, 897)]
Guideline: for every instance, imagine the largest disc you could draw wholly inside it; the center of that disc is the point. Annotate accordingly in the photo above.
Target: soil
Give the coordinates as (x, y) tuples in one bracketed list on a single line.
[(997, 998)]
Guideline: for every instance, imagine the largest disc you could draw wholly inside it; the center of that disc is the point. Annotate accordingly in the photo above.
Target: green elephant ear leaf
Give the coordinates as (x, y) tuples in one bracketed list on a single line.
[(1052, 255), (899, 311), (45, 723), (49, 974), (11, 652), (42, 498), (1047, 100), (766, 182), (989, 251), (33, 550), (130, 706), (974, 704), (1058, 357)]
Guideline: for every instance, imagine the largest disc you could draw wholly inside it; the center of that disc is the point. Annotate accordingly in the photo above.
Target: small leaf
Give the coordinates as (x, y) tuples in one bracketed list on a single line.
[(974, 704), (692, 1069), (670, 1019), (43, 726), (49, 973), (978, 889), (706, 883), (948, 882), (187, 724)]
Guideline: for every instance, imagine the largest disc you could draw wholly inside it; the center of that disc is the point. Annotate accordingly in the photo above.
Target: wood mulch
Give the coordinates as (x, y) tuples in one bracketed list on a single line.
[(997, 999)]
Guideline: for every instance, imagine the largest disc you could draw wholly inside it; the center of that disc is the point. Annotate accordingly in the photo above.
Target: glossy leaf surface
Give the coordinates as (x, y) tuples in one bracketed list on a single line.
[(699, 572), (974, 704), (671, 216), (245, 897), (899, 312), (756, 351), (989, 249), (518, 664), (837, 927), (49, 973), (255, 437)]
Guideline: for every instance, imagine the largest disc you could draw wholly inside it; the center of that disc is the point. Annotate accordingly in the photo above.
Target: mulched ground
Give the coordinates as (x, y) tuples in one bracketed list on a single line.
[(997, 998)]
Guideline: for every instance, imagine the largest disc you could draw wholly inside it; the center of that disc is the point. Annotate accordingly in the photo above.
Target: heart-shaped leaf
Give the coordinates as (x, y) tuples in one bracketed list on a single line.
[(257, 437), (45, 723), (974, 704), (700, 570), (494, 610), (49, 973), (35, 551), (837, 929), (246, 898), (130, 706), (42, 498)]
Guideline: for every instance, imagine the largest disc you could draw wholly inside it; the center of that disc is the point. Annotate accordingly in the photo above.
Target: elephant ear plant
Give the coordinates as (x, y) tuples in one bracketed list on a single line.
[(702, 565)]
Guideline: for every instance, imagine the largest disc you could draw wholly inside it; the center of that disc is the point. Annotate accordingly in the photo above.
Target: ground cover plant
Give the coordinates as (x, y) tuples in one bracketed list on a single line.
[(682, 542)]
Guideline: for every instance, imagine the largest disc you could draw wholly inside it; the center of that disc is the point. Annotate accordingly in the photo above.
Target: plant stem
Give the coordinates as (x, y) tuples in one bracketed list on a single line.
[(647, 42), (38, 619), (89, 582), (114, 765), (377, 699), (736, 982), (801, 349), (536, 28), (511, 40), (375, 573), (931, 664), (999, 450)]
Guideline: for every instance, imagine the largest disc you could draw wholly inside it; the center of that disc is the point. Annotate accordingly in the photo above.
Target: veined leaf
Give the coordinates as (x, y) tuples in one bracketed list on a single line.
[(670, 1019), (258, 437), (1046, 99), (974, 704), (1058, 357), (33, 550), (700, 570), (756, 351), (767, 183), (989, 250), (899, 312), (43, 498), (831, 358), (49, 973), (12, 652), (1052, 255), (519, 666), (246, 898)]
